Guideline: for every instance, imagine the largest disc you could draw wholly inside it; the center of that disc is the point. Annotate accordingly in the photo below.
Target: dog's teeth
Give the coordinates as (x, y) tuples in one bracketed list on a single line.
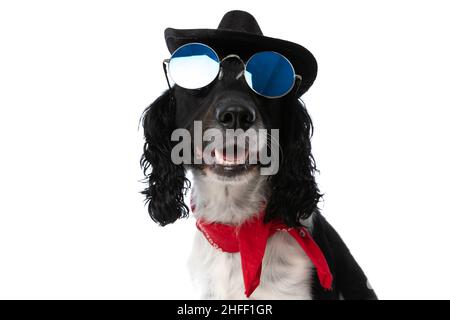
[(218, 155), (229, 163), (198, 153), (238, 159)]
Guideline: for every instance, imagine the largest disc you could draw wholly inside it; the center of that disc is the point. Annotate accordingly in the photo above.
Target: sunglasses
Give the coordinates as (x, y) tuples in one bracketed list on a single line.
[(196, 65)]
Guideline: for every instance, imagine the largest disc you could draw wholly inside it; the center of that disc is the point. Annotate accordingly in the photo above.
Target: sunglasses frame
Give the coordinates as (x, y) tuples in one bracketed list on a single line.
[(166, 62)]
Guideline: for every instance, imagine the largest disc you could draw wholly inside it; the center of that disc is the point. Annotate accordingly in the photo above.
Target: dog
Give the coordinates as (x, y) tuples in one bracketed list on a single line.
[(259, 236)]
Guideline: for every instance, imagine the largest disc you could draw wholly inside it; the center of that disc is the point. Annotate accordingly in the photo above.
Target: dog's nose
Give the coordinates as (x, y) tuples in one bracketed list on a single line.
[(236, 116)]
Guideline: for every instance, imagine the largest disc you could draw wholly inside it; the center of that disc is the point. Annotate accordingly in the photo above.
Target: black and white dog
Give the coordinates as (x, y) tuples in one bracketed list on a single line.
[(270, 221)]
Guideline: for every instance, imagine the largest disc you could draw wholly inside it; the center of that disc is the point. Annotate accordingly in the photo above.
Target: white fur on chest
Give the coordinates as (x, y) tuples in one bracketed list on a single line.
[(286, 271)]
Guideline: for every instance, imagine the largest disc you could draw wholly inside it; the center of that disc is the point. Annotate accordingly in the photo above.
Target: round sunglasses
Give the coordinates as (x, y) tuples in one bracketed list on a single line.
[(196, 65)]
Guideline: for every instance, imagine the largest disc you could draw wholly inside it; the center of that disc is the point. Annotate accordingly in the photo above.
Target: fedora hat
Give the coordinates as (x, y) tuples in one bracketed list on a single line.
[(239, 33)]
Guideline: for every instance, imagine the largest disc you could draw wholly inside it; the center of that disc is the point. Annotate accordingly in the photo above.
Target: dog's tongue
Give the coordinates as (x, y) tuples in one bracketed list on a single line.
[(232, 157), (234, 154)]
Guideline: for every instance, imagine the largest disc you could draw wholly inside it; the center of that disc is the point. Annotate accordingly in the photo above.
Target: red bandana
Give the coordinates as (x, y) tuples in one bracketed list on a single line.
[(250, 239)]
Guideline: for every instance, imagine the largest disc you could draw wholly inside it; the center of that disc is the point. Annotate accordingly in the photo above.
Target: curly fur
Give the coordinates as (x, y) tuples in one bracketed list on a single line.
[(167, 183), (295, 194)]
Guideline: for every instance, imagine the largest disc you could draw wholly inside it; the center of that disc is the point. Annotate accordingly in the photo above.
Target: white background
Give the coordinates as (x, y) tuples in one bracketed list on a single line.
[(75, 77)]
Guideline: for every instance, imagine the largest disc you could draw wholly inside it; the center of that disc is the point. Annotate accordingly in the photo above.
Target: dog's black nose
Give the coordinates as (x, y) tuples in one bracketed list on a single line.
[(235, 116)]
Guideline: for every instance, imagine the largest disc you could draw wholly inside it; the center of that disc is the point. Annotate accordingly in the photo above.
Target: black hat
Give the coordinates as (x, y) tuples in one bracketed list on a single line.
[(239, 33)]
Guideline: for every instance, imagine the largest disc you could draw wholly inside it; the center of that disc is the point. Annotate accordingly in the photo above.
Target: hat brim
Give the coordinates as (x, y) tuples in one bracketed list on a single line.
[(226, 42)]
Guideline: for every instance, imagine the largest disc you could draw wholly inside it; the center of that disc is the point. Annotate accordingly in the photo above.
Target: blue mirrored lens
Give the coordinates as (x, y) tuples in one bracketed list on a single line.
[(270, 74), (194, 66)]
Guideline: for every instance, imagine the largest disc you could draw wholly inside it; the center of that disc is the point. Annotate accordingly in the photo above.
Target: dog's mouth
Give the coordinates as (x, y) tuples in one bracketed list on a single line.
[(228, 162)]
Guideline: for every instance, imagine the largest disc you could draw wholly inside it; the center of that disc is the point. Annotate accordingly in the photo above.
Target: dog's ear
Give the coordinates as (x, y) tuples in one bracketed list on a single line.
[(167, 183), (294, 190)]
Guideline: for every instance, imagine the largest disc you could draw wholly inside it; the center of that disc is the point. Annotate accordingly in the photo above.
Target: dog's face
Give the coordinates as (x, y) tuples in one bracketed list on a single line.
[(228, 103)]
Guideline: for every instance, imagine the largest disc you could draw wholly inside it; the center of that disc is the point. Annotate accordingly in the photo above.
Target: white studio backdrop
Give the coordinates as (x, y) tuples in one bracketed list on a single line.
[(75, 77)]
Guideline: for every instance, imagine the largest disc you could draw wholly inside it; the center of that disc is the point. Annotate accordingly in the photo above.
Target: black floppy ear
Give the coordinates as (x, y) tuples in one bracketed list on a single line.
[(294, 190), (167, 183)]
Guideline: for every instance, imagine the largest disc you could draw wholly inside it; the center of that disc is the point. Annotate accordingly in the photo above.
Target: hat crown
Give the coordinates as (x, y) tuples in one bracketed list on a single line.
[(241, 21)]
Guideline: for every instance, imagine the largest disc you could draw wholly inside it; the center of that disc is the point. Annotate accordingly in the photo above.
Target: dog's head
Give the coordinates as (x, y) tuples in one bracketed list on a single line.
[(229, 103)]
